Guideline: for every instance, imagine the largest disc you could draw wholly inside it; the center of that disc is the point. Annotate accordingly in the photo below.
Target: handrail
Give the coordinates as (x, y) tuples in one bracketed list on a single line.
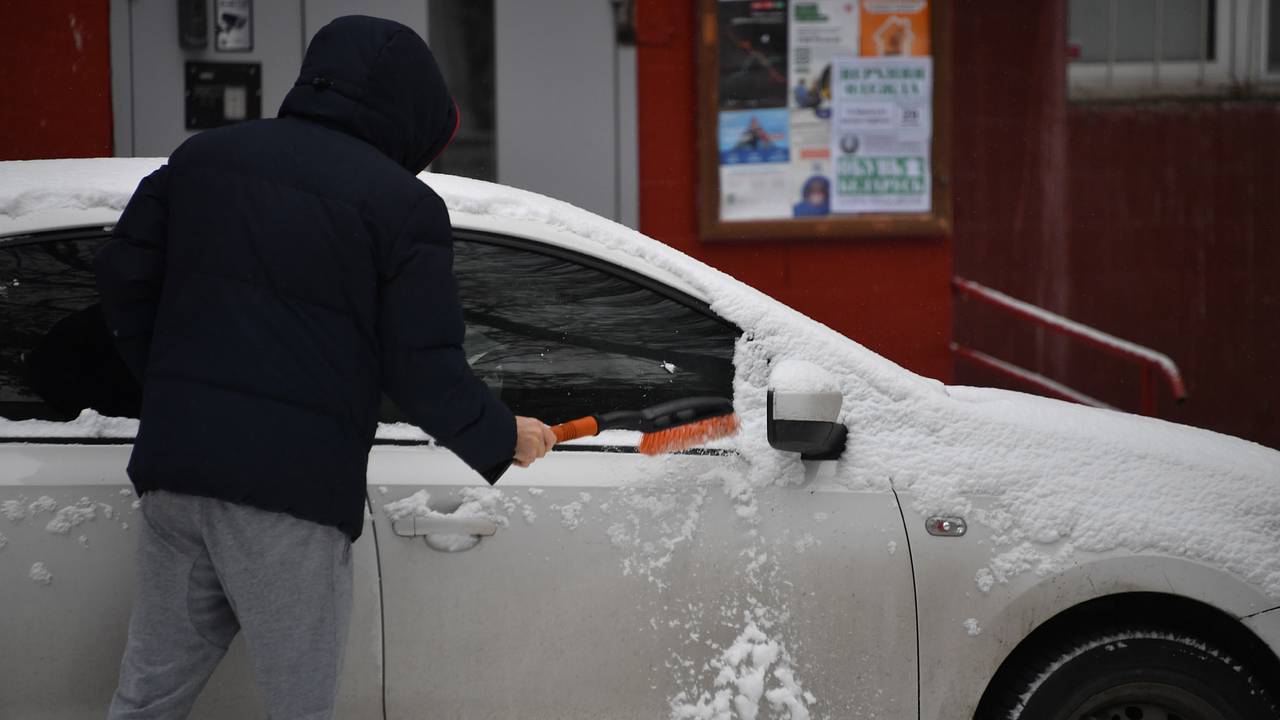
[(1147, 359)]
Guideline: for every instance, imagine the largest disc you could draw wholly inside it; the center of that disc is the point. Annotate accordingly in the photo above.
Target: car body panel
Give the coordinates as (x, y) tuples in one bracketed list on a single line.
[(1266, 625), (615, 605), (64, 640), (956, 666)]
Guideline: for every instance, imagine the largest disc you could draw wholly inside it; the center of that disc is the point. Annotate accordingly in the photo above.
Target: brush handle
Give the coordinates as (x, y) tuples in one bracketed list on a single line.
[(574, 429)]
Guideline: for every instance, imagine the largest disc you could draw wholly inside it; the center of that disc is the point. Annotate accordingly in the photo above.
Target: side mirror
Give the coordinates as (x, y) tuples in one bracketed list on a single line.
[(805, 422)]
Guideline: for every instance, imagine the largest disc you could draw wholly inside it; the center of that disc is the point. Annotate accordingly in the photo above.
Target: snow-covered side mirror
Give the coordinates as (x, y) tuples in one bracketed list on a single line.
[(804, 411)]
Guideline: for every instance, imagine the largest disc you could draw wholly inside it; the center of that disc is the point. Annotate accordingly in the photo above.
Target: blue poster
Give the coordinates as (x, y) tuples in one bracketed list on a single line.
[(754, 136)]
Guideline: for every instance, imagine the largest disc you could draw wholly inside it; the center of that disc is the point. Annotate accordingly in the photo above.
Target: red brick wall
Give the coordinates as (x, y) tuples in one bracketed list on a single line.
[(55, 68)]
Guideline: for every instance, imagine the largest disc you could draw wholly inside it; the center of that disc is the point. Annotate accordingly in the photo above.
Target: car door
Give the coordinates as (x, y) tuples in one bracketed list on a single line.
[(68, 516), (617, 585)]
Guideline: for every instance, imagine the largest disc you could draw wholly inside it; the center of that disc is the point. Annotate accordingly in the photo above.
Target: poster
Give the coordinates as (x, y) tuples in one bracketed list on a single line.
[(819, 31), (753, 54), (881, 129), (753, 127), (755, 154), (894, 28), (789, 145), (233, 23)]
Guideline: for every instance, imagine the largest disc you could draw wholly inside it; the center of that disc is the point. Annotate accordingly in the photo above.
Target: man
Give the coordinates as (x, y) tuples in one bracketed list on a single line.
[(268, 285)]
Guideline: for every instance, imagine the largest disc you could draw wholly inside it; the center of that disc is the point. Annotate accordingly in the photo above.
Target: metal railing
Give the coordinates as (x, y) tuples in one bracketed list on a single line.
[(1150, 362)]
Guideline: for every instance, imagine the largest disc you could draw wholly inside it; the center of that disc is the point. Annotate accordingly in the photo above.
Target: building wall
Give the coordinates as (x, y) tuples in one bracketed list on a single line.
[(1010, 173), (1156, 222), (562, 98), (56, 74), (1175, 243), (890, 294)]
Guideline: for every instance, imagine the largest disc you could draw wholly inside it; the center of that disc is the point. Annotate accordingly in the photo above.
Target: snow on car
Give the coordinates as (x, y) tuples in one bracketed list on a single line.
[(971, 552)]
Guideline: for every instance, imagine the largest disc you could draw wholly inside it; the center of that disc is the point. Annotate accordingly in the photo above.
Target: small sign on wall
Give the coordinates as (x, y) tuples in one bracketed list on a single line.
[(234, 22), (220, 94)]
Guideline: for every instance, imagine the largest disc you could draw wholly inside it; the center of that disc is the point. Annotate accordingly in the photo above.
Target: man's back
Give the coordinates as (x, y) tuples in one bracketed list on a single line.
[(305, 270)]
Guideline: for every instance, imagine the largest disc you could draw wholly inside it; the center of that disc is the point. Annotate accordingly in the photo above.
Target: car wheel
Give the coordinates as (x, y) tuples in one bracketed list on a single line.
[(1135, 674)]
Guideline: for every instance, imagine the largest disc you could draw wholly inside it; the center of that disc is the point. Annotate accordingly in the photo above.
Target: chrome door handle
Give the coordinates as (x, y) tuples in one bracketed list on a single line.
[(444, 525)]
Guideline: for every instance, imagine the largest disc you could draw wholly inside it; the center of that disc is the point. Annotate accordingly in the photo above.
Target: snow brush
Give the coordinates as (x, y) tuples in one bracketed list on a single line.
[(668, 427)]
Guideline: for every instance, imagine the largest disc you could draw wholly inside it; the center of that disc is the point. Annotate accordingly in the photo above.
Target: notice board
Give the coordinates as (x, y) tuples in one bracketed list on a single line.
[(823, 118)]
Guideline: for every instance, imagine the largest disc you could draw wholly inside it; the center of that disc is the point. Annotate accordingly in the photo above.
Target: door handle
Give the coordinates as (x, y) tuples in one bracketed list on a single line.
[(444, 525)]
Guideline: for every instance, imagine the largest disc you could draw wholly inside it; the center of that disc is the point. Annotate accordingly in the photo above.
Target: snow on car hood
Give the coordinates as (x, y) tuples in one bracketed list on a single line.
[(1062, 477)]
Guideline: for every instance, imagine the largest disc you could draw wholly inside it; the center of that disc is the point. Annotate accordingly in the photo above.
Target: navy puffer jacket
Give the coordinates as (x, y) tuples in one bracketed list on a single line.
[(276, 277)]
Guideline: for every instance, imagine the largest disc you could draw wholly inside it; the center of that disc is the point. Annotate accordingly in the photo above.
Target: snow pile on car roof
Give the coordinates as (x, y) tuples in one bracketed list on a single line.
[(30, 187)]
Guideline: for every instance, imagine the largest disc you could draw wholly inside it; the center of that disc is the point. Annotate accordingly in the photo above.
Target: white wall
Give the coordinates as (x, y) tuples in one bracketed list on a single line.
[(565, 92)]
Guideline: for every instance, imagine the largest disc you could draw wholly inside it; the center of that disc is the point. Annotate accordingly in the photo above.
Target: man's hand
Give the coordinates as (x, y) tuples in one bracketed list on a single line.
[(533, 440)]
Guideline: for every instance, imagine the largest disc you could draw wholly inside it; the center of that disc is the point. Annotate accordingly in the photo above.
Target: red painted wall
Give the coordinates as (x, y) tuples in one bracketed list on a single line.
[(890, 294), (1010, 158), (55, 68), (1175, 243), (1158, 223)]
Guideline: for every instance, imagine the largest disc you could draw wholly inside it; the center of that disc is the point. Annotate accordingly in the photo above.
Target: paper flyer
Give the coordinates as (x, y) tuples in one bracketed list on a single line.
[(880, 134), (753, 53), (818, 32), (755, 154), (894, 28)]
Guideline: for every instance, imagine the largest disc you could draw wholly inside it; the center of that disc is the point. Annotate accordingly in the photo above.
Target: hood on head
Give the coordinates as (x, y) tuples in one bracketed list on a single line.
[(377, 80)]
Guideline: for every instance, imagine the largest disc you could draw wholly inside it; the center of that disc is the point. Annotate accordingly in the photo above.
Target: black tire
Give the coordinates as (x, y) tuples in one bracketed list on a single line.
[(1133, 674)]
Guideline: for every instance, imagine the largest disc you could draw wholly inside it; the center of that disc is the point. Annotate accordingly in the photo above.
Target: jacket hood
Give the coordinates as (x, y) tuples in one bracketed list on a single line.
[(377, 80)]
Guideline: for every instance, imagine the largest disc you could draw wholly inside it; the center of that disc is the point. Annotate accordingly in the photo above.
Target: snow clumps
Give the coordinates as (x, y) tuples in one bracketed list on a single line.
[(752, 669), (39, 573)]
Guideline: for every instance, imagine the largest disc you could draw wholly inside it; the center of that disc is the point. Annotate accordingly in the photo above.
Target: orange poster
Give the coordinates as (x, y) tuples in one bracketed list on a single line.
[(894, 28)]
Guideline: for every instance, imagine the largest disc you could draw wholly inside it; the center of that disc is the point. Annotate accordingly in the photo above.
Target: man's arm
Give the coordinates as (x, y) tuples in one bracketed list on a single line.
[(130, 270), (424, 368)]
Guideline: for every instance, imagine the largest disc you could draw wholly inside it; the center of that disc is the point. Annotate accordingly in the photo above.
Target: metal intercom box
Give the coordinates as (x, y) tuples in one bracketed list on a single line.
[(220, 94)]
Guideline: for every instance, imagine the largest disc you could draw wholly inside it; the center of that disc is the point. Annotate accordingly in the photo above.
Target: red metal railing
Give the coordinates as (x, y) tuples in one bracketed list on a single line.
[(1150, 363)]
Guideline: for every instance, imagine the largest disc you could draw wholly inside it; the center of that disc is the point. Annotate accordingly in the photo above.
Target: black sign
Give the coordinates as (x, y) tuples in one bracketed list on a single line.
[(222, 93)]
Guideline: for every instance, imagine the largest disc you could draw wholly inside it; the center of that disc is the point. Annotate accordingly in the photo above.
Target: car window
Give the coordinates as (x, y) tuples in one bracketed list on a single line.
[(557, 336), (553, 335), (56, 356)]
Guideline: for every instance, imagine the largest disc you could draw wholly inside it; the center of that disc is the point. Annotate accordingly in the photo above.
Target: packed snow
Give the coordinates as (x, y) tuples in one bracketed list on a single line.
[(39, 573), (752, 670), (71, 516), (1060, 479)]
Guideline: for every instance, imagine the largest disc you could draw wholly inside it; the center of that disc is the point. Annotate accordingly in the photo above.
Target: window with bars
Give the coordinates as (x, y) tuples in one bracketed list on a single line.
[(1134, 48)]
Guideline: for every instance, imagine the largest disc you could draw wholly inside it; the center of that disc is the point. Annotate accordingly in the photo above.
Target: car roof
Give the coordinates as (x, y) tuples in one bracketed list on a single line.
[(39, 196)]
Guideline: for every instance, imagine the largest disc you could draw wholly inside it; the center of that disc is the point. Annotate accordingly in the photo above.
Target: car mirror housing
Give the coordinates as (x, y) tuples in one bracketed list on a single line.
[(806, 422)]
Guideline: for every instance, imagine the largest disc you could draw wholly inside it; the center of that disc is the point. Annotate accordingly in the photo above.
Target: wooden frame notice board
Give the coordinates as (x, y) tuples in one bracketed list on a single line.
[(770, 90)]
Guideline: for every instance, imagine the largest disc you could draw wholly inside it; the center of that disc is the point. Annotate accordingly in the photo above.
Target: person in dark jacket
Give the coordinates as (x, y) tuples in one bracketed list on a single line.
[(267, 286)]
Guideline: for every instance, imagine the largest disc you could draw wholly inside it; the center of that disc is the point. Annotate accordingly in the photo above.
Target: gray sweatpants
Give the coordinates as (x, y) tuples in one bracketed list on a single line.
[(207, 569)]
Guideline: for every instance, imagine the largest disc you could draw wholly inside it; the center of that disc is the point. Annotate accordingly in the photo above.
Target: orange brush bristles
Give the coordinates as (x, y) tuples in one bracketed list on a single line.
[(686, 436)]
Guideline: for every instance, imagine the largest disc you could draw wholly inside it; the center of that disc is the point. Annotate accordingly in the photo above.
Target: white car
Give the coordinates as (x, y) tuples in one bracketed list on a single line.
[(971, 552)]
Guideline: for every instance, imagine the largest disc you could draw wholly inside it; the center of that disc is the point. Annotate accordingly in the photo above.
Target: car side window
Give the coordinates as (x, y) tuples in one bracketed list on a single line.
[(56, 356), (557, 336)]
